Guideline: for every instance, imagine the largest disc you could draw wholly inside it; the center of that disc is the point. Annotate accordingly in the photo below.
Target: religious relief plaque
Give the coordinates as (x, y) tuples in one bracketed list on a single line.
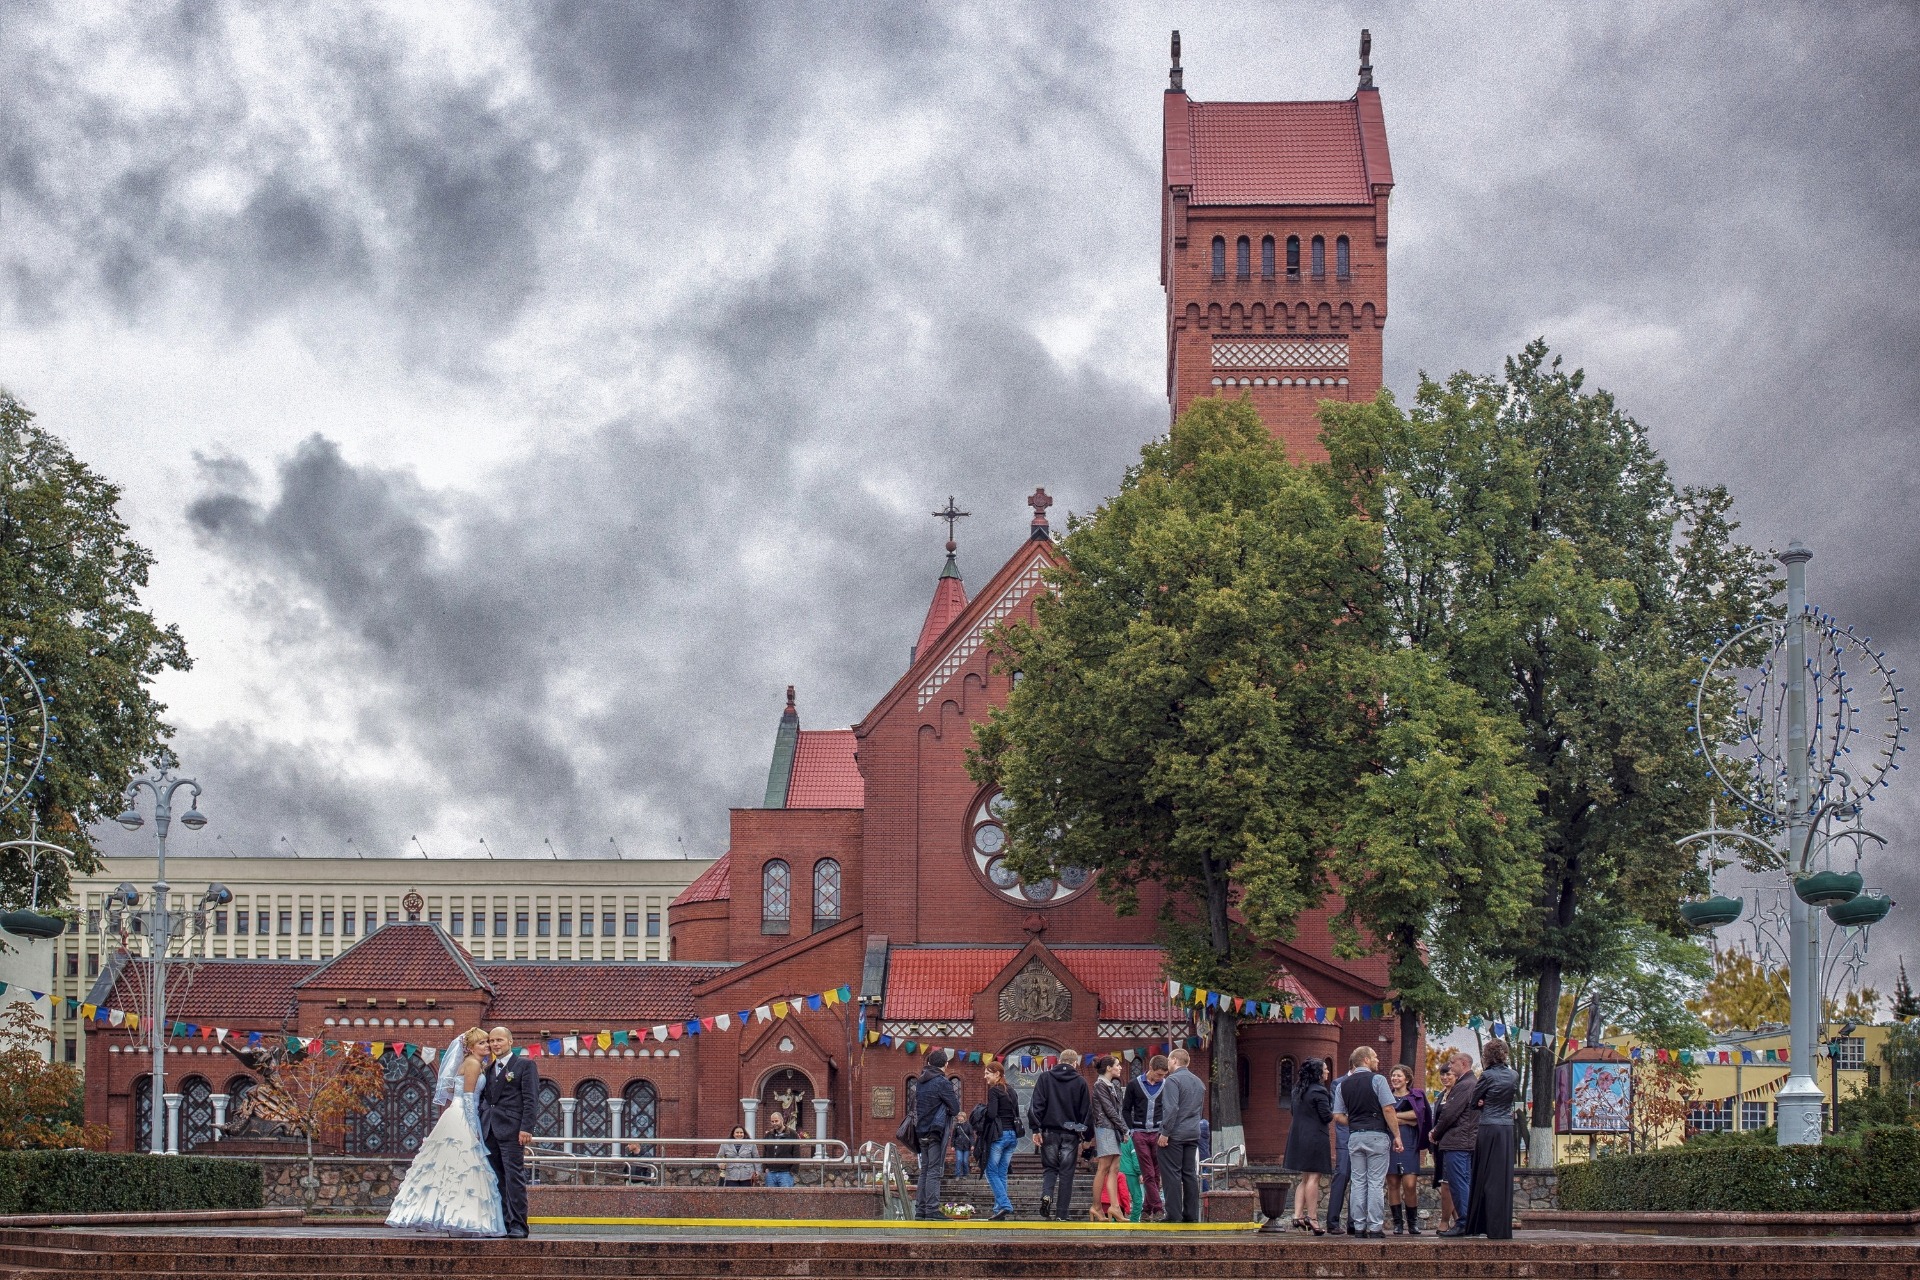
[(883, 1102), (1035, 995)]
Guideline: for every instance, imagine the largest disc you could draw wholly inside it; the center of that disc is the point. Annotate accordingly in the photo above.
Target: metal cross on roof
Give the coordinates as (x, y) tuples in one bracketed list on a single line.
[(950, 515)]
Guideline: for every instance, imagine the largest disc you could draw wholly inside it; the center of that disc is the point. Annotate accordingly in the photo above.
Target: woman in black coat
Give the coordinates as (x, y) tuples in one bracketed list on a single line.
[(1490, 1203), (1308, 1152)]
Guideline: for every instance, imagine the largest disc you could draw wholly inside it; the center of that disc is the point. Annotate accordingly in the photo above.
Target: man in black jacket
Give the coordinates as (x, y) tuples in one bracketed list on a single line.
[(935, 1106), (509, 1100), (1456, 1131), (1060, 1116)]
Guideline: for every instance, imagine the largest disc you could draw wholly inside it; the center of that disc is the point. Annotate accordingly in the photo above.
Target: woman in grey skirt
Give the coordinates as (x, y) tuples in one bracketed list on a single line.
[(1109, 1131)]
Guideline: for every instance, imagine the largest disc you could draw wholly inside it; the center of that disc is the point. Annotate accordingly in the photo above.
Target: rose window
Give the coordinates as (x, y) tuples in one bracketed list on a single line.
[(987, 843)]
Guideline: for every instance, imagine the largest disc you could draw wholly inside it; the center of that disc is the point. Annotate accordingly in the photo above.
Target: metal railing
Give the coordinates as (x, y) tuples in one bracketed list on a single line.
[(1213, 1170), (877, 1162), (642, 1161)]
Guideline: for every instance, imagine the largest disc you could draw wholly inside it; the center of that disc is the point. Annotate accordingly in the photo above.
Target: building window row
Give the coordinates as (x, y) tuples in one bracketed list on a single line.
[(1317, 251)]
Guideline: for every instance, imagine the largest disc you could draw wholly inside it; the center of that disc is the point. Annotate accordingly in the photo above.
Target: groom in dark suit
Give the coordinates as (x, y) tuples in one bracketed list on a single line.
[(509, 1099)]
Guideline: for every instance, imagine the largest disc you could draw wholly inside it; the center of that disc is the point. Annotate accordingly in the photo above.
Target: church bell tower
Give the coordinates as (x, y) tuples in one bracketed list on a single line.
[(1274, 252)]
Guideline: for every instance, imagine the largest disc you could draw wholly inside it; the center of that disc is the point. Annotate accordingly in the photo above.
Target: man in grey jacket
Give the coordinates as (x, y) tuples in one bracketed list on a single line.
[(1182, 1099)]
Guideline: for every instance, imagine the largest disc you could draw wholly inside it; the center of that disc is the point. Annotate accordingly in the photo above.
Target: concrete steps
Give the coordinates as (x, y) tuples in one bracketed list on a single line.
[(965, 1253)]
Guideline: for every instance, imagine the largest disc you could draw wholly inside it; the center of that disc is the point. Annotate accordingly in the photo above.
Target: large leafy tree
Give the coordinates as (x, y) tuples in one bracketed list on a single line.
[(1207, 687), (70, 583), (1534, 544)]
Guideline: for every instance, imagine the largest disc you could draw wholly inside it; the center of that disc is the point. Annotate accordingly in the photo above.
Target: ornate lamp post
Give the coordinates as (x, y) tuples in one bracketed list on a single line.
[(1777, 712), (163, 928)]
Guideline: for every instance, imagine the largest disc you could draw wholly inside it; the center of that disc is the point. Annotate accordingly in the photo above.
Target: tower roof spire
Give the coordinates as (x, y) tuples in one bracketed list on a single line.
[(949, 593)]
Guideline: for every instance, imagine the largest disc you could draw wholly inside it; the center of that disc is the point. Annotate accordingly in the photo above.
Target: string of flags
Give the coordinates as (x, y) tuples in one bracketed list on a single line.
[(90, 1012), (1278, 1010), (1711, 1057), (1023, 1061)]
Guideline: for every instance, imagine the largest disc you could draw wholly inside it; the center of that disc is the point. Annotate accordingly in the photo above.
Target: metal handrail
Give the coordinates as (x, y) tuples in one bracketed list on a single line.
[(896, 1199), (1234, 1157), (643, 1164)]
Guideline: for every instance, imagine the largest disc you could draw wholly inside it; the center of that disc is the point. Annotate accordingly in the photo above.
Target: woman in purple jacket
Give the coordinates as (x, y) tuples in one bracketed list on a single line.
[(1403, 1167)]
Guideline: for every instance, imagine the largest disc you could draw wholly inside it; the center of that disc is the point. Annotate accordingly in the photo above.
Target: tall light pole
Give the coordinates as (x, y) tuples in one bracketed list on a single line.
[(157, 922), (1777, 712)]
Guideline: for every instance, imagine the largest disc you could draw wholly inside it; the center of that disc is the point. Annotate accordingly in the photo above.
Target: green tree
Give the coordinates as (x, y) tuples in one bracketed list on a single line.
[(70, 583), (1905, 1006), (1534, 543), (1205, 691)]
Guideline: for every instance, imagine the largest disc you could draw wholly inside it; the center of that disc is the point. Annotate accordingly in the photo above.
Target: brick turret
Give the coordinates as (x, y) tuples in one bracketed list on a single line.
[(1274, 251)]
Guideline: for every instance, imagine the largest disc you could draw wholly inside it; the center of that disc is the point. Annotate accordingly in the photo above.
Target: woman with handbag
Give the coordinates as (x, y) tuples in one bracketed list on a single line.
[(999, 1135)]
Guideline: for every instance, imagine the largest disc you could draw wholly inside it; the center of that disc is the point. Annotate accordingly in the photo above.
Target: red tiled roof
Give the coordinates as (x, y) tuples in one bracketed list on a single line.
[(1130, 981), (1295, 990), (941, 982), (408, 954), (824, 773), (715, 884), (630, 994), (1276, 153), (219, 991), (949, 598)]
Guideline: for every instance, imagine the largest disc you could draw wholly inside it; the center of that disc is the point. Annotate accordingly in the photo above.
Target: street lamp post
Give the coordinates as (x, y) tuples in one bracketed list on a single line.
[(1777, 713), (157, 922)]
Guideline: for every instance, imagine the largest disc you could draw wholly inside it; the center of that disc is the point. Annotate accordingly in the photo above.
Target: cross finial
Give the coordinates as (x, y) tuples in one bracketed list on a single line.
[(950, 515), (1040, 501)]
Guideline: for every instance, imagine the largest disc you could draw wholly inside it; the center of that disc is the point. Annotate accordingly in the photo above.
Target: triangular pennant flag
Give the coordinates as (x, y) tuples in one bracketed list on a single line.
[(763, 1014), (780, 1008), (830, 998), (814, 1004), (844, 991), (723, 1021), (693, 1027)]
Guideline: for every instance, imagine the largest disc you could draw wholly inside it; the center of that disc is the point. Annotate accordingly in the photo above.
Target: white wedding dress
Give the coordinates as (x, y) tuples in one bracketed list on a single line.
[(450, 1186)]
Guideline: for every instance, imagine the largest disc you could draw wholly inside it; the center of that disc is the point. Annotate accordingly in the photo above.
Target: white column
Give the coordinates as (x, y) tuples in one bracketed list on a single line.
[(615, 1106), (749, 1115), (219, 1101), (173, 1122), (820, 1106), (567, 1106)]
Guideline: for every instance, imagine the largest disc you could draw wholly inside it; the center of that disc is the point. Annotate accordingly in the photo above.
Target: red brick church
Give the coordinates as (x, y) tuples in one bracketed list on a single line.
[(873, 862)]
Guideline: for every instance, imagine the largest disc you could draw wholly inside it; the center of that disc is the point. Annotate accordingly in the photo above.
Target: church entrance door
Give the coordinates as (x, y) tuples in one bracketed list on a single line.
[(791, 1094), (1022, 1078)]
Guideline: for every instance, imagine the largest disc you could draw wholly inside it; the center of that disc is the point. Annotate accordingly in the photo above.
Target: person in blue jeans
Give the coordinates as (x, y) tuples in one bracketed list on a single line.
[(998, 1136), (782, 1148)]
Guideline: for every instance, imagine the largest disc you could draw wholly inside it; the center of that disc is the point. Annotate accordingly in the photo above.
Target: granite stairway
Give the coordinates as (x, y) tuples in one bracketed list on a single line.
[(962, 1253)]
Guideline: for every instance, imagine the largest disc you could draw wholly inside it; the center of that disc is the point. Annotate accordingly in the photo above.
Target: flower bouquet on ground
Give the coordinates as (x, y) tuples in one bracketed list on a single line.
[(957, 1212)]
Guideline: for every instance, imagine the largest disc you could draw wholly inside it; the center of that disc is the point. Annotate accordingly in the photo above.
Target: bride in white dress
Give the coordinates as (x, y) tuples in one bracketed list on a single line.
[(450, 1186)]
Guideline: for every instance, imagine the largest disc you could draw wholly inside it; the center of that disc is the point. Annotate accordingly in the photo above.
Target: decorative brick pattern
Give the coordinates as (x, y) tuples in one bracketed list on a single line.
[(964, 648), (1281, 353)]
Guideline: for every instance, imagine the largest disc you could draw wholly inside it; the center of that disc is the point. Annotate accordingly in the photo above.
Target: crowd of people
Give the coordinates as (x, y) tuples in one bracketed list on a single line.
[(1363, 1132), (1366, 1132)]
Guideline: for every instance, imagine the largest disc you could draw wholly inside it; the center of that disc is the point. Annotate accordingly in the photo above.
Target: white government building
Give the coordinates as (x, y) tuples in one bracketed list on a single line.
[(313, 908)]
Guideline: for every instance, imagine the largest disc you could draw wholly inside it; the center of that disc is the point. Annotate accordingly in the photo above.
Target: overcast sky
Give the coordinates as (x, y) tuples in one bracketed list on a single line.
[(519, 397)]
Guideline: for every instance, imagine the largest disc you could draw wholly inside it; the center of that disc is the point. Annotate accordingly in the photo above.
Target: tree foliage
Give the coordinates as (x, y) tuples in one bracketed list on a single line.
[(1533, 543), (70, 583), (1905, 1006), (39, 1099), (1745, 994), (312, 1091), (1211, 701)]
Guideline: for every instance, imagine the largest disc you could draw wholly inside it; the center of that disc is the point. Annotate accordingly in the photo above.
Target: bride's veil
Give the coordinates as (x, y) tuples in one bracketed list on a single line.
[(449, 1071)]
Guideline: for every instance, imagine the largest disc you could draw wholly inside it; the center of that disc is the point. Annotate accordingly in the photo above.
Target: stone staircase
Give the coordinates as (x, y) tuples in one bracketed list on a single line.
[(964, 1253)]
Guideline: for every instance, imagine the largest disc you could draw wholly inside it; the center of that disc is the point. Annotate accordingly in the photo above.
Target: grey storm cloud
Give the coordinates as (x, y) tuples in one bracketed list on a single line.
[(772, 280)]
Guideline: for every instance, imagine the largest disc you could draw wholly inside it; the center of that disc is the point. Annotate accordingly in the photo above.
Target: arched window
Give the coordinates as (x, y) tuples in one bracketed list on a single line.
[(776, 897), (397, 1122), (641, 1116), (1266, 257), (826, 893), (1319, 257), (1242, 260), (143, 1114), (1293, 257), (196, 1113), (1343, 259), (591, 1118), (546, 1116), (1285, 1077), (1219, 257)]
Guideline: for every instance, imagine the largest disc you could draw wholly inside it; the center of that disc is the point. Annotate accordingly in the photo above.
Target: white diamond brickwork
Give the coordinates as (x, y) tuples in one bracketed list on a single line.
[(922, 1030), (1281, 353), (965, 647)]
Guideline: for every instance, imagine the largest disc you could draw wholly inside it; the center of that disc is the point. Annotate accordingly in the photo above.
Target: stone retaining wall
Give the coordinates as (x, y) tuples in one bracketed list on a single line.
[(347, 1183)]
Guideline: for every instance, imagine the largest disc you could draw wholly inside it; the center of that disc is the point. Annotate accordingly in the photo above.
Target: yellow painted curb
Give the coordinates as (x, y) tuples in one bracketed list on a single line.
[(943, 1224)]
